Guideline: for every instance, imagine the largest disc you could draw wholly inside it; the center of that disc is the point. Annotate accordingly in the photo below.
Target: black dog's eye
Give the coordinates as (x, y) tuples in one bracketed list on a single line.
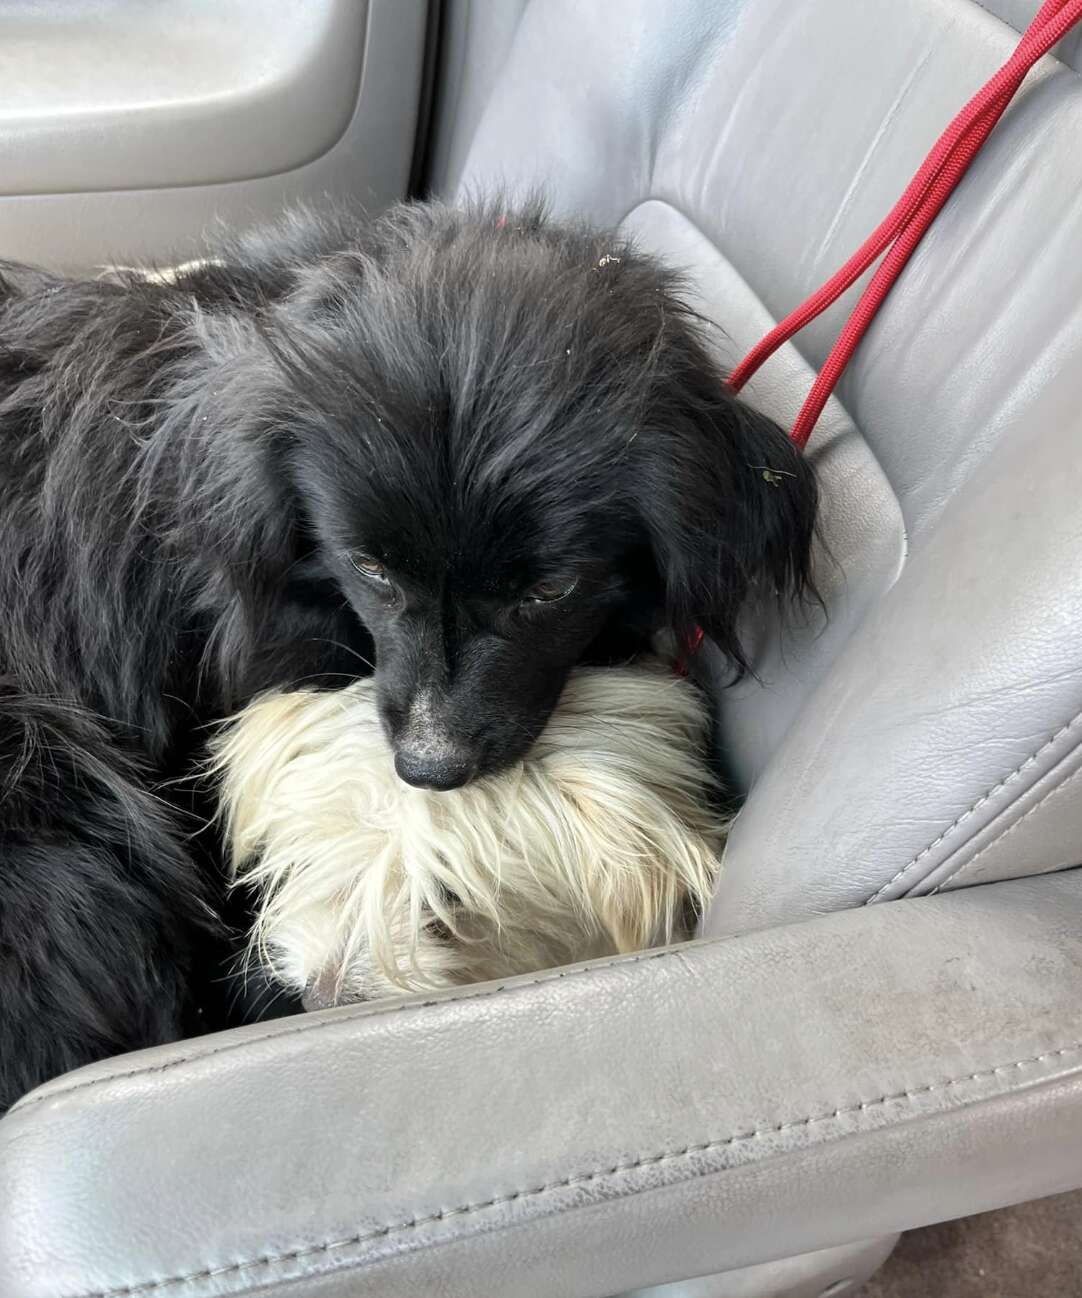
[(367, 566), (548, 592)]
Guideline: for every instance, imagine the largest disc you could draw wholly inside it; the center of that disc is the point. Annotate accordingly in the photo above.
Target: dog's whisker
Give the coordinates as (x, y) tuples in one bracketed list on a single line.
[(337, 644)]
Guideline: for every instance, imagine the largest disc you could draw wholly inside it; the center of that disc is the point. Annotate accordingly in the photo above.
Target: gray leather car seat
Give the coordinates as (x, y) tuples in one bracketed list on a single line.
[(770, 1106)]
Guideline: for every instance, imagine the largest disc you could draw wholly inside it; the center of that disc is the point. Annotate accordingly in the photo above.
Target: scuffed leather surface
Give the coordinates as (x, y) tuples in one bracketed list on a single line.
[(947, 714), (619, 1125), (901, 748)]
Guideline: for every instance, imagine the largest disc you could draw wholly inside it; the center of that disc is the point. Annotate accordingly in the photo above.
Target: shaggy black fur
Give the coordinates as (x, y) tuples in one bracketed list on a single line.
[(474, 447)]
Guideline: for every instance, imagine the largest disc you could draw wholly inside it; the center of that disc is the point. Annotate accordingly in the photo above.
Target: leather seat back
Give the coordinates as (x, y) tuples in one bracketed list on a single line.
[(925, 736)]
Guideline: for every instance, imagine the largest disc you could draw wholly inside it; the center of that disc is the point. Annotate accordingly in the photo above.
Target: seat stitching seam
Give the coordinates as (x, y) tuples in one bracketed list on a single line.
[(1058, 58), (362, 1237), (1008, 830), (369, 1012), (1009, 778)]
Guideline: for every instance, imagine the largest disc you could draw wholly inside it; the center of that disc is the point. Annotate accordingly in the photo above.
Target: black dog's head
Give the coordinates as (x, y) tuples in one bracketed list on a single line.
[(507, 442)]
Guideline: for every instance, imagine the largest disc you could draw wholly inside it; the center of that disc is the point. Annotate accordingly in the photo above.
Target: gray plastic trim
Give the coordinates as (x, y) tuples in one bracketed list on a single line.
[(363, 160), (111, 94)]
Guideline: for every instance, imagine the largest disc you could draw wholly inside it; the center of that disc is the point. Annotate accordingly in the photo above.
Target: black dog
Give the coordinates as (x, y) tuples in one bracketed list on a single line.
[(476, 448)]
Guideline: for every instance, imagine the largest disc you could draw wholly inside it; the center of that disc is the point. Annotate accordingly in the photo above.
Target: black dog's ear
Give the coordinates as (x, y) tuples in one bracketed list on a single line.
[(730, 506)]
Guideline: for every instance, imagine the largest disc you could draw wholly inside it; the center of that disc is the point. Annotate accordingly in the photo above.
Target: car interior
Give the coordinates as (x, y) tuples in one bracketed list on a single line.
[(879, 1027)]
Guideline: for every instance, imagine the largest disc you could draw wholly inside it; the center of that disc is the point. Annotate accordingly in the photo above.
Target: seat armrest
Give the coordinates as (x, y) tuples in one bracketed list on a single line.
[(586, 1131)]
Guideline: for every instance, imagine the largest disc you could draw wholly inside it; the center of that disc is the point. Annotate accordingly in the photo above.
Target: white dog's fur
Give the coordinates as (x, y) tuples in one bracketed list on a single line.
[(604, 839)]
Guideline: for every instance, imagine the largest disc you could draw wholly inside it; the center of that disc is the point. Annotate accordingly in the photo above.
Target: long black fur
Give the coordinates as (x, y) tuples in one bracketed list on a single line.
[(471, 447)]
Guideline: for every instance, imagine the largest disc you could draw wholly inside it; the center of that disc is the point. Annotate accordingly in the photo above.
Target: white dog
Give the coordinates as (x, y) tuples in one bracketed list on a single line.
[(605, 839)]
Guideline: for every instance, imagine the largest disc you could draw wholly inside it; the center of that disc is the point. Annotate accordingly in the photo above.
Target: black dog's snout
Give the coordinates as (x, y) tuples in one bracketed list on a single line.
[(427, 770)]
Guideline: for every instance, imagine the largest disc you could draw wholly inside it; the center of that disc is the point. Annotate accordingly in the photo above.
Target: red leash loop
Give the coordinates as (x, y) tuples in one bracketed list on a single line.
[(907, 222)]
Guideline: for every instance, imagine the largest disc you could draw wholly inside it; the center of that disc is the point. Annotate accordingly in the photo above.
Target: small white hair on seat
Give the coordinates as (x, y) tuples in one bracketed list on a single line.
[(604, 839)]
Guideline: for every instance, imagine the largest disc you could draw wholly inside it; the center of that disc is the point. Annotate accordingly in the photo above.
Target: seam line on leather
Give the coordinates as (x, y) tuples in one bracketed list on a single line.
[(1008, 830), (368, 1012), (1009, 778), (1052, 54), (583, 1178)]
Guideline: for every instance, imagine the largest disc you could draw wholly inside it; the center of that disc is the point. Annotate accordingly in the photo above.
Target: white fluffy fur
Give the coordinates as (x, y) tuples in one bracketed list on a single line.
[(602, 840)]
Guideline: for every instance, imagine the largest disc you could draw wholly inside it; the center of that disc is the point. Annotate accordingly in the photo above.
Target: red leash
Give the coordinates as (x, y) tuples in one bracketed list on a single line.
[(903, 228), (909, 219)]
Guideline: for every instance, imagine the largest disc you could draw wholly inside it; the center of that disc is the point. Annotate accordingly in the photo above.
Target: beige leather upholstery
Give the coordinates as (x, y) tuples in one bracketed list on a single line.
[(836, 1071)]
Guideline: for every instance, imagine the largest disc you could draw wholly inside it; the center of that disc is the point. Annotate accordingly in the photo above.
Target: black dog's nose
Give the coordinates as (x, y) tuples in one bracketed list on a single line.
[(440, 770)]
